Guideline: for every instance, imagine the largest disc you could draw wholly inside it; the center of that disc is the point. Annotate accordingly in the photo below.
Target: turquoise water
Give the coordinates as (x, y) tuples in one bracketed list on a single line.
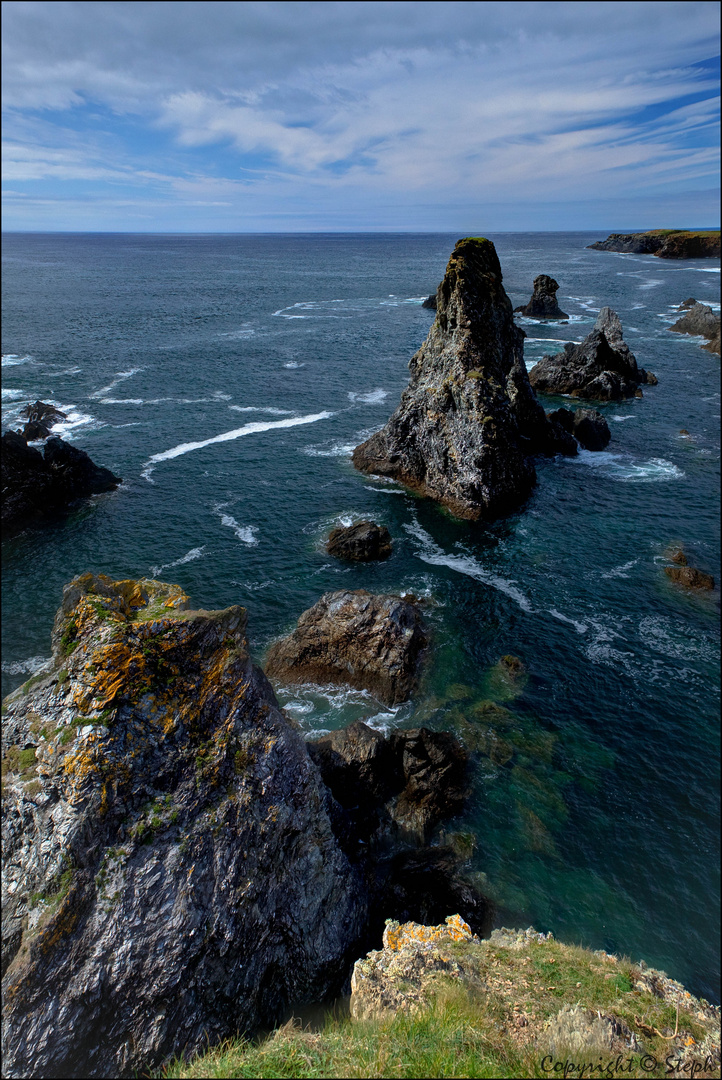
[(595, 805)]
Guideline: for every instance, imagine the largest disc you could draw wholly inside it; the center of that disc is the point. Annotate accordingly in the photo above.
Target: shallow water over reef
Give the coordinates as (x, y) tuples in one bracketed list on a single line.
[(228, 378)]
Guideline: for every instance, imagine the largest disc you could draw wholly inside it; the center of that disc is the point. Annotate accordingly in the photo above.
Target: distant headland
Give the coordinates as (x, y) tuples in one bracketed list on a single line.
[(664, 243)]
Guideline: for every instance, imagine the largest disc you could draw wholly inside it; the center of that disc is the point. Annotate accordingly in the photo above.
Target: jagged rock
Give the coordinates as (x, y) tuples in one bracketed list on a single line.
[(678, 557), (361, 542), (430, 302), (469, 418), (543, 303), (702, 321), (688, 303), (689, 577), (371, 642), (170, 872), (665, 243), (588, 426), (601, 367), (582, 1031), (41, 418), (37, 487)]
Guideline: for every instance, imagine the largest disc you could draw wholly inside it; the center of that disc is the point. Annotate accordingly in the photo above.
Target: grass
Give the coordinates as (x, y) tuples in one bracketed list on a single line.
[(490, 1025)]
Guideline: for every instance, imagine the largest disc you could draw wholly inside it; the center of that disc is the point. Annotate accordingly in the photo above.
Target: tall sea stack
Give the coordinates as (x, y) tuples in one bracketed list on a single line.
[(469, 418)]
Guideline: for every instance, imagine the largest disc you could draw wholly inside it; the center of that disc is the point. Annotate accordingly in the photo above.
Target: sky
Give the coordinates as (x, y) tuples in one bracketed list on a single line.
[(355, 116)]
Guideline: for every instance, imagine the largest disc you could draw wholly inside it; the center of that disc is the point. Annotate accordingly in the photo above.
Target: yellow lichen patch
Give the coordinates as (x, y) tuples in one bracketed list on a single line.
[(108, 671), (396, 935)]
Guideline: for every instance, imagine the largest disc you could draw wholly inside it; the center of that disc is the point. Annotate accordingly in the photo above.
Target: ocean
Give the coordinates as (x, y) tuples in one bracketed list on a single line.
[(227, 379)]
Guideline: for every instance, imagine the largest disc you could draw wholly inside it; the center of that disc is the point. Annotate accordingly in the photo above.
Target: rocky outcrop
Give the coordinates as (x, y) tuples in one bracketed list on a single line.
[(701, 320), (543, 303), (371, 642), (468, 420), (588, 426), (362, 542), (37, 487), (414, 779), (665, 243), (41, 417), (601, 368), (170, 871), (430, 302), (689, 577)]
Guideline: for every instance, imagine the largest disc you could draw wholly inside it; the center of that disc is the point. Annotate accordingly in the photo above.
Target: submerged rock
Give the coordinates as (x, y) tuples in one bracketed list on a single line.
[(469, 419), (361, 542), (700, 320), (689, 577), (170, 871), (41, 417), (371, 642), (543, 303), (37, 487), (601, 367)]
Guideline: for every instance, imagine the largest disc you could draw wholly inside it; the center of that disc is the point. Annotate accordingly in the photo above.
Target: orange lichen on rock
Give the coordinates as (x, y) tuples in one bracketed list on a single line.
[(397, 935)]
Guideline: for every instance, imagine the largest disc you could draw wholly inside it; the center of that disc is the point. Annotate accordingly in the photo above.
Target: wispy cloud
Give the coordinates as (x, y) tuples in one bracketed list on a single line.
[(257, 107)]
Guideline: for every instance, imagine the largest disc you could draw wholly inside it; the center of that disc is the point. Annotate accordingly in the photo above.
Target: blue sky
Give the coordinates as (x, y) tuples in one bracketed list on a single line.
[(235, 117)]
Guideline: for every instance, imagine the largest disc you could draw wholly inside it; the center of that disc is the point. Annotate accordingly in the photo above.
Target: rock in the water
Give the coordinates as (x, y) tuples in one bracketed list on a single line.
[(601, 367), (700, 320), (588, 426), (689, 577), (361, 542), (356, 639), (170, 870), (41, 417), (665, 243), (468, 419), (430, 302), (543, 303), (37, 487)]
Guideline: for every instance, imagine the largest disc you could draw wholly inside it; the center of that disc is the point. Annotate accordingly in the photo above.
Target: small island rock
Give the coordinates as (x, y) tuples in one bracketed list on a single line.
[(430, 302), (371, 642), (588, 426), (700, 320), (689, 577), (361, 542), (602, 367), (543, 303), (41, 417)]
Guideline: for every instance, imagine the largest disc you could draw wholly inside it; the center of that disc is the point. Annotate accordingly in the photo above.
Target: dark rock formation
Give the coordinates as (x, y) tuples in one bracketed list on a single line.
[(601, 367), (688, 303), (468, 420), (701, 320), (689, 577), (665, 243), (37, 487), (169, 866), (588, 426), (430, 302), (40, 417), (543, 303), (361, 542), (357, 639), (414, 778)]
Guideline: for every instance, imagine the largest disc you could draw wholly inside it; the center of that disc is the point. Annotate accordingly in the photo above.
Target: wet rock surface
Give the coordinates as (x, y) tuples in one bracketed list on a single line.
[(38, 487), (170, 872), (543, 303), (469, 419), (601, 368), (689, 577), (702, 321), (362, 542), (41, 417), (665, 243), (371, 642)]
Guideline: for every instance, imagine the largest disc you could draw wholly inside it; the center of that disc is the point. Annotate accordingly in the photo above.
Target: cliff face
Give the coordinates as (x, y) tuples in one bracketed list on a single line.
[(468, 419), (664, 243), (170, 874)]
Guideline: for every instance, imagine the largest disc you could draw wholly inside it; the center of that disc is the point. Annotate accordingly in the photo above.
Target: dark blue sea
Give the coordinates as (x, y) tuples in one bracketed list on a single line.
[(228, 378)]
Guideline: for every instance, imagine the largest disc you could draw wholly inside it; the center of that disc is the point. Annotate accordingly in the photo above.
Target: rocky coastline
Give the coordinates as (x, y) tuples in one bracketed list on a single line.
[(664, 243)]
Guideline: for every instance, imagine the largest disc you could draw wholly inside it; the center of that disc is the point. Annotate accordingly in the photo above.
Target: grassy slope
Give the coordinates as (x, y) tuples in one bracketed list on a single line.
[(491, 1026)]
